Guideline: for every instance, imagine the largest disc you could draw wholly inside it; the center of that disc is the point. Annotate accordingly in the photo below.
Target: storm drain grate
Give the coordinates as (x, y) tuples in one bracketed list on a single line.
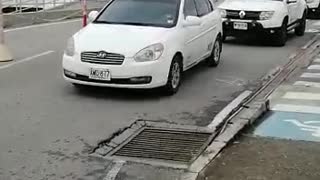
[(163, 144)]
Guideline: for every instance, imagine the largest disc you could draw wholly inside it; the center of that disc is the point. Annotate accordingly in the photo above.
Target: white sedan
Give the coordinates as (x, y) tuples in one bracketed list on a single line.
[(144, 44)]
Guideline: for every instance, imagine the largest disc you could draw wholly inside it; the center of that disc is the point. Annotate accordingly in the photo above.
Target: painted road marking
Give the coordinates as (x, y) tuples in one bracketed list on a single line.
[(290, 125), (312, 30), (314, 67), (305, 126), (40, 25), (308, 84), (301, 95), (296, 108), (112, 174), (310, 75), (26, 59)]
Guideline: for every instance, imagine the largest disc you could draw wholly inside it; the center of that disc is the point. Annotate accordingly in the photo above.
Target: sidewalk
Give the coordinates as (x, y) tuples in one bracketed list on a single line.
[(286, 145), (256, 158)]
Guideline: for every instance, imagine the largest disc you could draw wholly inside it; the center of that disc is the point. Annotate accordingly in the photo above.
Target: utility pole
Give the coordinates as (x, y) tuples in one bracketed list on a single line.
[(5, 54)]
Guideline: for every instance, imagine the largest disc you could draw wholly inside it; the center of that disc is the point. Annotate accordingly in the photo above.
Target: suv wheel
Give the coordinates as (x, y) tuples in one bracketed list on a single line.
[(214, 58), (175, 76), (281, 34), (299, 30)]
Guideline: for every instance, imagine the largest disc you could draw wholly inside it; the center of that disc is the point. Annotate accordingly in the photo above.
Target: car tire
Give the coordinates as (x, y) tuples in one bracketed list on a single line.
[(214, 59), (300, 30), (175, 76), (281, 34)]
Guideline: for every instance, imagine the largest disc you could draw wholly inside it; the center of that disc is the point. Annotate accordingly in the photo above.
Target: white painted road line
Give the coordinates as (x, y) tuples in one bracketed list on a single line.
[(112, 174), (314, 67), (302, 96), (41, 25), (26, 59), (310, 75), (308, 84), (296, 108)]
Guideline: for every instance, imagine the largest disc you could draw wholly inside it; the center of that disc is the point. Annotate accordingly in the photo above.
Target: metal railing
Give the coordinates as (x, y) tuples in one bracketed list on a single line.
[(20, 6)]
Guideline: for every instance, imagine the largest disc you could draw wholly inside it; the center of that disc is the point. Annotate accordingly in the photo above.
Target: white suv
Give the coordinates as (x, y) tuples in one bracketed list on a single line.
[(272, 17), (144, 44)]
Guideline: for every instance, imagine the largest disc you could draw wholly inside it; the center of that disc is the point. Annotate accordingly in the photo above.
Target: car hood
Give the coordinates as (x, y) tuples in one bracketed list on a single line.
[(251, 5), (121, 39)]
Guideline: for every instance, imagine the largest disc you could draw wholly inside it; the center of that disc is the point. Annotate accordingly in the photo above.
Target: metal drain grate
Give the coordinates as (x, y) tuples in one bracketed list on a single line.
[(162, 144)]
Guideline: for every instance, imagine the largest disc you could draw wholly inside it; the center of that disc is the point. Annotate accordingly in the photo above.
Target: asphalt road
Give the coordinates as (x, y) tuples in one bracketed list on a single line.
[(47, 128)]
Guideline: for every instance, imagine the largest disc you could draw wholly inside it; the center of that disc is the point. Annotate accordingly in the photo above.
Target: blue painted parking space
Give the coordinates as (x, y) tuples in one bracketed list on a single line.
[(290, 125)]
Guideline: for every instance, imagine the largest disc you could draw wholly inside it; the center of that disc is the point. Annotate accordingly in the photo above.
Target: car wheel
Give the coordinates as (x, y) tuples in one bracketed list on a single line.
[(175, 76), (215, 56), (281, 34), (302, 26)]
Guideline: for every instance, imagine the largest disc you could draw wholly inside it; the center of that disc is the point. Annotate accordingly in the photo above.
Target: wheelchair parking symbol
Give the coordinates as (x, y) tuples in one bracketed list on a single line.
[(310, 126), (290, 125)]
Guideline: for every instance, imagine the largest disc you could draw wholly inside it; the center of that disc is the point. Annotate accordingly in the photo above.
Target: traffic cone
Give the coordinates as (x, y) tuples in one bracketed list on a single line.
[(5, 54)]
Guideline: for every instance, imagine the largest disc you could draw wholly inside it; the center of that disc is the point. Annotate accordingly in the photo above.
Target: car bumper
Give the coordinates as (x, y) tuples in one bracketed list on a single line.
[(130, 74), (313, 6), (253, 27)]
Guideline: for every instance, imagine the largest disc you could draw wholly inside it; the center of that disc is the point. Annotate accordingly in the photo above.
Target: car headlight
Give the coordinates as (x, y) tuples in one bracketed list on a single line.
[(310, 1), (223, 13), (70, 47), (265, 15), (149, 53)]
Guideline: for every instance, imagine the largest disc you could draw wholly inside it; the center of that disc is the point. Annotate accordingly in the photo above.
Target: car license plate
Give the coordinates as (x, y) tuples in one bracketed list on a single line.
[(100, 74), (240, 26)]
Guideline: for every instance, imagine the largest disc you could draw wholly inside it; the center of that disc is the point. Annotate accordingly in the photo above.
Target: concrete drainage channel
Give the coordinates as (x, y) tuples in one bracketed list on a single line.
[(192, 148), (159, 144)]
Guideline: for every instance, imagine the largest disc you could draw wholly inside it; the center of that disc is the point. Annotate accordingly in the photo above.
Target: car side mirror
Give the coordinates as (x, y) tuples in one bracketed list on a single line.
[(192, 21), (92, 15), (291, 1)]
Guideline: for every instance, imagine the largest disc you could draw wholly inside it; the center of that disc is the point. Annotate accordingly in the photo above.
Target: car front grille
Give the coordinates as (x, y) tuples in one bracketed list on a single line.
[(105, 58), (249, 15)]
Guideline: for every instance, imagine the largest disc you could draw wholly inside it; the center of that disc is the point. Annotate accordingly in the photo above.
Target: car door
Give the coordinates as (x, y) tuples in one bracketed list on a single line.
[(210, 27), (192, 39), (205, 12), (292, 10)]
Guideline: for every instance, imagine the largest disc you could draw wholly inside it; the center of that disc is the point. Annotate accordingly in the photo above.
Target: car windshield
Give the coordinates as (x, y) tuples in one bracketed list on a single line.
[(163, 13)]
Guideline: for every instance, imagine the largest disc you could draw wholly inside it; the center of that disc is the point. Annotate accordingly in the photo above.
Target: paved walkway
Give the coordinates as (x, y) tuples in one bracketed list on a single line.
[(295, 107)]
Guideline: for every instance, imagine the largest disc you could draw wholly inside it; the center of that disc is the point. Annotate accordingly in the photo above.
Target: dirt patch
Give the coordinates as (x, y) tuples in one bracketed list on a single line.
[(263, 159)]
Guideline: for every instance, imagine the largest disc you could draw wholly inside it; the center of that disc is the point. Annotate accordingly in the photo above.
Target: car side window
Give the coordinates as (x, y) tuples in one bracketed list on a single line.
[(202, 7), (189, 8)]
